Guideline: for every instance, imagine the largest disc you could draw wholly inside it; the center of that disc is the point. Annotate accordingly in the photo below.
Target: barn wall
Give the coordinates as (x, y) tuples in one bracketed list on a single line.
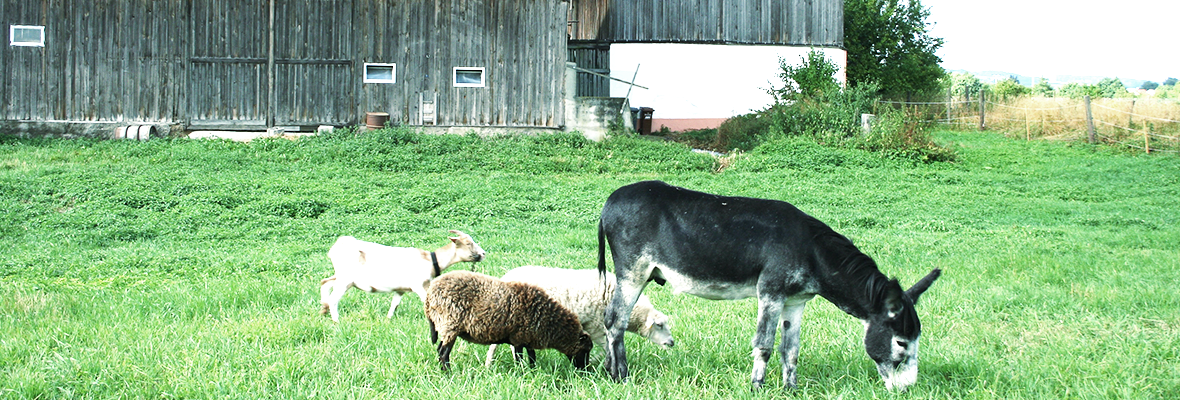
[(427, 39), (210, 63), (770, 22), (103, 61)]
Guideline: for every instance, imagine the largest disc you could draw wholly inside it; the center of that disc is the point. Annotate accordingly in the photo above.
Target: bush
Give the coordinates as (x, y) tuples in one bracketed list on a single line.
[(742, 132), (893, 136), (833, 117)]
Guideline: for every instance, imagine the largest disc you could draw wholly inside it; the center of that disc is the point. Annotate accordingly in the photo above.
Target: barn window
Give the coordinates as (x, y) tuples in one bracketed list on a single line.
[(470, 77), (26, 35), (380, 73)]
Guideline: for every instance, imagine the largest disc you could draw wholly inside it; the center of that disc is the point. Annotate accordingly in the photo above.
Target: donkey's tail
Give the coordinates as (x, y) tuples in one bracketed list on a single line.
[(602, 263), (601, 250)]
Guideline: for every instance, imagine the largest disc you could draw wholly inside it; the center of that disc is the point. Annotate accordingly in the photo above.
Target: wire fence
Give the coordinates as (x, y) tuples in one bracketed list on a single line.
[(1149, 125)]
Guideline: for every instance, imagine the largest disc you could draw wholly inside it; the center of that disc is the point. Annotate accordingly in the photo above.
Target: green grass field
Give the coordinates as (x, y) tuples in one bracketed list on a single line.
[(189, 269)]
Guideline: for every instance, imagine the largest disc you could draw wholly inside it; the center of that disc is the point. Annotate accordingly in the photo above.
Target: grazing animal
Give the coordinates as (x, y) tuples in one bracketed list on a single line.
[(485, 310), (582, 292), (726, 248), (373, 267)]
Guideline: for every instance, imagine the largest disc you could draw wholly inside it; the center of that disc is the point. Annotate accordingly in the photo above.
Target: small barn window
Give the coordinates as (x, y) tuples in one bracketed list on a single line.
[(26, 35), (470, 77), (380, 73)]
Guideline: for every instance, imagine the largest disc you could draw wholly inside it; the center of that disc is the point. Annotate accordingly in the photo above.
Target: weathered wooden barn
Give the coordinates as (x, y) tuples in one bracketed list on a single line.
[(223, 64), (596, 24)]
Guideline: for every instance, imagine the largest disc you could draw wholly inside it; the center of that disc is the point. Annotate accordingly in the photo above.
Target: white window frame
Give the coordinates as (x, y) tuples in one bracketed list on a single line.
[(12, 35), (392, 73), (483, 77)]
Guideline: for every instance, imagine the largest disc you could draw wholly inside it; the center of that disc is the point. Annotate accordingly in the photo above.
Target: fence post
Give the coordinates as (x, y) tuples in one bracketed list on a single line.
[(1089, 119), (1146, 142), (982, 111), (949, 121)]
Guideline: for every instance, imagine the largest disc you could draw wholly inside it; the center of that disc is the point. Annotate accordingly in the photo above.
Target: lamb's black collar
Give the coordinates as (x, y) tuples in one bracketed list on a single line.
[(434, 260)]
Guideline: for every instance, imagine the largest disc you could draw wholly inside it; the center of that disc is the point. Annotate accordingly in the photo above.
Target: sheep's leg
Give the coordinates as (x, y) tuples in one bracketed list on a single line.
[(325, 291), (339, 287), (532, 356), (597, 332), (397, 298), (444, 353), (789, 348), (491, 353), (517, 353), (770, 310)]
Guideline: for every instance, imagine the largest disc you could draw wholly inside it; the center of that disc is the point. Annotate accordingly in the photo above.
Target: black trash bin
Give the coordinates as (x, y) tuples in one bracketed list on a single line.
[(643, 123)]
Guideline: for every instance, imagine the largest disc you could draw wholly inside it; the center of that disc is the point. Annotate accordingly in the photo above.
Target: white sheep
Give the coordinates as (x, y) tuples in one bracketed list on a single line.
[(486, 310), (581, 290), (373, 267)]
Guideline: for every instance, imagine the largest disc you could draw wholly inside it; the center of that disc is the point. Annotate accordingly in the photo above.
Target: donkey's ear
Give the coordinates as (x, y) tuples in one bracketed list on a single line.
[(922, 285), (893, 303)]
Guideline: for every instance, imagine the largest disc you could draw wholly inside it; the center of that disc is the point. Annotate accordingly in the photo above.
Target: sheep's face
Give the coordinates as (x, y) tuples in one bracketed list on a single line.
[(466, 248), (580, 355), (658, 329)]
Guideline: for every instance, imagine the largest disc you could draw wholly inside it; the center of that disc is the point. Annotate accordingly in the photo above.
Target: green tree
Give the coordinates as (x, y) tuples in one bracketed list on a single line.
[(1170, 82), (1009, 88), (965, 85), (1073, 90), (1112, 87), (1042, 88), (1149, 85), (814, 78), (888, 43)]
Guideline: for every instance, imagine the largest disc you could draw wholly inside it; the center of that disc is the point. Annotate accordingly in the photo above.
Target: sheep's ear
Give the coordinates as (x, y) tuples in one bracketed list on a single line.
[(651, 320), (457, 232)]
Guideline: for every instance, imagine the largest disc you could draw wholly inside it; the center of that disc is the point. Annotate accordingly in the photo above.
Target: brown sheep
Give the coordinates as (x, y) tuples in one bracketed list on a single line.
[(483, 309)]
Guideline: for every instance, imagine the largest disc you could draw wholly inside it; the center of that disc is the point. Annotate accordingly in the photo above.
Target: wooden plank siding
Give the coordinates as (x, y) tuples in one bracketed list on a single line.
[(752, 22), (428, 39), (211, 62), (593, 57)]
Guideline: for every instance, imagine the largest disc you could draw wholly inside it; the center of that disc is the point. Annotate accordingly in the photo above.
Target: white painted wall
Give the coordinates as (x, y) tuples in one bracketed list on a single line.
[(702, 80)]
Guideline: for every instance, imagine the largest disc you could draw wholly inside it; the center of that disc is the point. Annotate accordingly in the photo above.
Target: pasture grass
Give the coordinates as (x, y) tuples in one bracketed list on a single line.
[(189, 269)]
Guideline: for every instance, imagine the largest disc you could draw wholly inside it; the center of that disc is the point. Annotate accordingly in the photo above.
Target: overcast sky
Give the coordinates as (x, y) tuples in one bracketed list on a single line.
[(1129, 39)]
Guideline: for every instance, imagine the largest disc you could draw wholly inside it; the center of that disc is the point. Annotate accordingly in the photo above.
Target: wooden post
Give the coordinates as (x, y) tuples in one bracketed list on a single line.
[(948, 107), (1027, 135), (982, 111), (1146, 142), (272, 104), (1089, 118)]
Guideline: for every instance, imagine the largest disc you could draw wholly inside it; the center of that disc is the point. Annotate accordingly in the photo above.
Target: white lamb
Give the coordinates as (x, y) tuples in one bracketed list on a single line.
[(373, 267), (581, 291)]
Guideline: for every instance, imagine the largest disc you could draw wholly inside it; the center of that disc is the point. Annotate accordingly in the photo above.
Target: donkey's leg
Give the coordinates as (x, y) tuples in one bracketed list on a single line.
[(789, 348), (770, 309), (618, 314)]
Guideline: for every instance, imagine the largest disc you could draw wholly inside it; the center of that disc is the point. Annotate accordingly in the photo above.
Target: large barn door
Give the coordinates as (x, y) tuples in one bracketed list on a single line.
[(315, 79), (271, 63), (227, 72)]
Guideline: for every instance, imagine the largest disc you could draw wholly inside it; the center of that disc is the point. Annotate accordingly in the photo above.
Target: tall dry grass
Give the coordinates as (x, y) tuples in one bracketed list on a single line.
[(1132, 123)]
